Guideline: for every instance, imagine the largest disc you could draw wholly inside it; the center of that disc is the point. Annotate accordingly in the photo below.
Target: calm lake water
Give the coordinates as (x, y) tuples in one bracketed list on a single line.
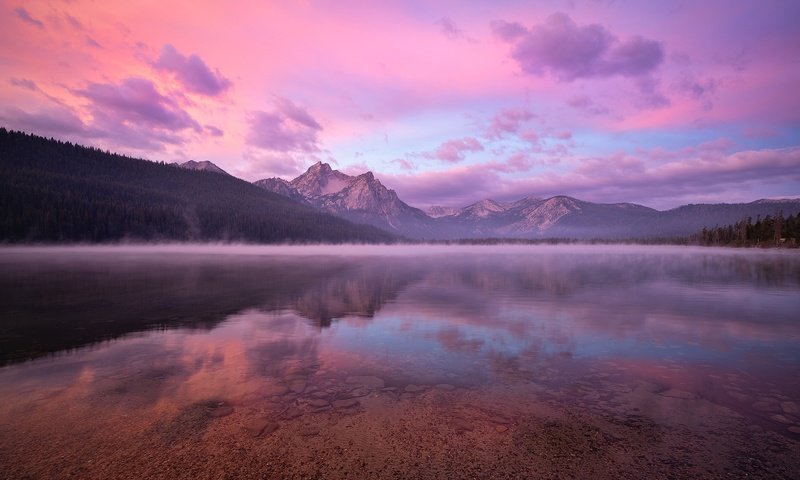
[(386, 362)]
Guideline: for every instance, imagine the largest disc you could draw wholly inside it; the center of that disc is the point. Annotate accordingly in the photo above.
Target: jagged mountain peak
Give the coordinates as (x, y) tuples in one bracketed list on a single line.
[(437, 211), (320, 179), (202, 166), (482, 209), (320, 166)]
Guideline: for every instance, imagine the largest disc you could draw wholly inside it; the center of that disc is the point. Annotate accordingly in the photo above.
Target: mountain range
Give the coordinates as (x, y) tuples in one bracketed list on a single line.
[(364, 199), (52, 191)]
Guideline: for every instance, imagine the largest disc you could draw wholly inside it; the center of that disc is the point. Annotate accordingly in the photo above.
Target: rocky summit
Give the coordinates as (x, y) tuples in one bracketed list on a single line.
[(361, 198)]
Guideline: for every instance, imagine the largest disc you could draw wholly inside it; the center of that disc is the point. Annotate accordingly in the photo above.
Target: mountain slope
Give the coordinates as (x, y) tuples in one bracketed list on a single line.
[(568, 217), (438, 211), (56, 191), (689, 219)]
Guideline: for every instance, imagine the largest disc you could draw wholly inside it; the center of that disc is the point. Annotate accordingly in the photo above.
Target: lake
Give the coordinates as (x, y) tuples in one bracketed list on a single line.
[(399, 362)]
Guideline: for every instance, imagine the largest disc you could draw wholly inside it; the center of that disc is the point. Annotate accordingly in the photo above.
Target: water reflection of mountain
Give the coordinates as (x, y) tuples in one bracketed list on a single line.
[(61, 303), (358, 289), (64, 301)]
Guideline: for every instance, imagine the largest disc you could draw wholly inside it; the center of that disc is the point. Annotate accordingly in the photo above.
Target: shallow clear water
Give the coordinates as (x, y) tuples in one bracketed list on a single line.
[(129, 339)]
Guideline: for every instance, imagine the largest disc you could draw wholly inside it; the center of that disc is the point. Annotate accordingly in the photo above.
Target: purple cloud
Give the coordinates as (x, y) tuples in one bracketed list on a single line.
[(700, 90), (569, 51), (192, 72), (650, 97), (213, 131), (57, 122), (507, 122), (508, 31), (449, 28), (586, 104), (74, 22), (25, 83), (453, 150), (26, 17), (137, 101), (287, 128), (92, 43)]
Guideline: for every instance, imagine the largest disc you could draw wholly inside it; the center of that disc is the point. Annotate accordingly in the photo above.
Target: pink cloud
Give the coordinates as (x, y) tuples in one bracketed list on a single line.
[(287, 128), (508, 122), (192, 72), (454, 150)]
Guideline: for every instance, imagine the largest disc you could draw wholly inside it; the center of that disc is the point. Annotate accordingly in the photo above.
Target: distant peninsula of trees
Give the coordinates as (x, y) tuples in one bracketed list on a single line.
[(777, 231)]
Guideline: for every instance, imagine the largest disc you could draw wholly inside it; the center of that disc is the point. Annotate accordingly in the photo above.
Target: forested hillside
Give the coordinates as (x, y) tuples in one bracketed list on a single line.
[(53, 191)]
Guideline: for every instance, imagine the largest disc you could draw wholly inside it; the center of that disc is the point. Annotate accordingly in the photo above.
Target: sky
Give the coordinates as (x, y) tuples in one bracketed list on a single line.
[(449, 102)]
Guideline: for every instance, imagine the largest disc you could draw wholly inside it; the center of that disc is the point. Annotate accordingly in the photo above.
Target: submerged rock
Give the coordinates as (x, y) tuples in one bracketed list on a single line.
[(292, 412), (360, 392), (790, 407), (461, 425), (220, 411), (346, 403), (366, 380), (297, 386), (675, 393), (261, 426)]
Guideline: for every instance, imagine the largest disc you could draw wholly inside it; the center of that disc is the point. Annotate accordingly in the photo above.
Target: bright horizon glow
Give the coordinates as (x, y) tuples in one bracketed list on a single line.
[(447, 103)]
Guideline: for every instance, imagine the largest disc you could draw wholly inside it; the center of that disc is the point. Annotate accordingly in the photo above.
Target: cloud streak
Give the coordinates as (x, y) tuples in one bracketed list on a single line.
[(192, 72), (26, 17)]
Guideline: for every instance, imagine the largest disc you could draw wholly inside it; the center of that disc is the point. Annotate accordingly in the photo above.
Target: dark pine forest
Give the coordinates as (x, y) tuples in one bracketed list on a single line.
[(54, 191)]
